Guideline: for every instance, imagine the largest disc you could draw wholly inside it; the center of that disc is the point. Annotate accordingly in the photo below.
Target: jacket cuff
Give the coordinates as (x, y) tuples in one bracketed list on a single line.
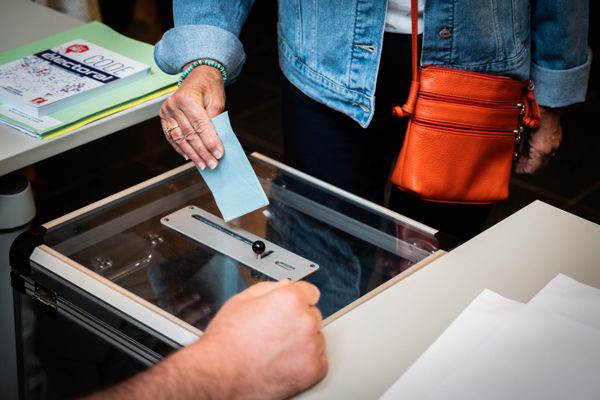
[(186, 43), (560, 88)]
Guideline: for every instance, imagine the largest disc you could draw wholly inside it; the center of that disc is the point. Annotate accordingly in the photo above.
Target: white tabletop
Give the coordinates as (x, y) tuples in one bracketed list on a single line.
[(371, 346), (21, 22)]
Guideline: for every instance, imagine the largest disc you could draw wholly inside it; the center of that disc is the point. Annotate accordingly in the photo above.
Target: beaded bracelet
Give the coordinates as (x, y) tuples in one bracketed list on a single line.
[(203, 61)]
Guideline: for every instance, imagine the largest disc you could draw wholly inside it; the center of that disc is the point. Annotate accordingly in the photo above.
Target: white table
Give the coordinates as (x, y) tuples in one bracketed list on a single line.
[(372, 345), (22, 21)]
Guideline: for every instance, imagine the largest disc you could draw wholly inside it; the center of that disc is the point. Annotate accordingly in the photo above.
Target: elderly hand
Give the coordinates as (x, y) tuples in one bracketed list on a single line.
[(186, 115), (543, 143)]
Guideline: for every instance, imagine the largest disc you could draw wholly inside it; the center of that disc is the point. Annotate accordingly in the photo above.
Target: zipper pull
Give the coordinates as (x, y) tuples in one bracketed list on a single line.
[(519, 136)]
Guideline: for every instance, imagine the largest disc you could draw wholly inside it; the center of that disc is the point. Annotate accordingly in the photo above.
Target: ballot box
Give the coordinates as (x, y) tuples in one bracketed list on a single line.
[(110, 289)]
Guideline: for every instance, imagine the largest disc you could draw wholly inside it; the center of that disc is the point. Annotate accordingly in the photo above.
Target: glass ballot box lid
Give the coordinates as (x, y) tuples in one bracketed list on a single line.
[(160, 256)]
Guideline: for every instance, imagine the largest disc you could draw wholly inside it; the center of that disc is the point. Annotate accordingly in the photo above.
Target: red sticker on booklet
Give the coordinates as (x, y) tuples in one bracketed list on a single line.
[(77, 48)]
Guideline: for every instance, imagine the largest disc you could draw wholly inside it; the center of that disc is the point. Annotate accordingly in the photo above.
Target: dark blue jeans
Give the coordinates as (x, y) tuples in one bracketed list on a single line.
[(330, 146)]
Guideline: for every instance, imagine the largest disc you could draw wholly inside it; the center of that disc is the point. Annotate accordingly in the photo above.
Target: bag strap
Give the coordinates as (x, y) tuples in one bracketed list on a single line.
[(408, 108), (531, 109)]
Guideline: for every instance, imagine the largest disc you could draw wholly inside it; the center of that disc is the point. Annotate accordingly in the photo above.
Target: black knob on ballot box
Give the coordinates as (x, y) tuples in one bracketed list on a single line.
[(258, 247)]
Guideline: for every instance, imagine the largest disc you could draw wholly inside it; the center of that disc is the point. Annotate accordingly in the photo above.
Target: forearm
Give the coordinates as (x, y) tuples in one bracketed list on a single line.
[(187, 374)]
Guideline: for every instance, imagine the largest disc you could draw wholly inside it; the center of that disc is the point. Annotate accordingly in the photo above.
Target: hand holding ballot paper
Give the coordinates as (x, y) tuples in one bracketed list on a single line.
[(194, 124), (186, 115)]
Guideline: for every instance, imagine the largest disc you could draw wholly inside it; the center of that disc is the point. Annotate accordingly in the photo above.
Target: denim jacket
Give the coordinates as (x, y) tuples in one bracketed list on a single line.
[(331, 49)]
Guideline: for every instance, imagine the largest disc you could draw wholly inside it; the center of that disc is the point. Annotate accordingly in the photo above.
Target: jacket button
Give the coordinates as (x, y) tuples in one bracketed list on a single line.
[(445, 33)]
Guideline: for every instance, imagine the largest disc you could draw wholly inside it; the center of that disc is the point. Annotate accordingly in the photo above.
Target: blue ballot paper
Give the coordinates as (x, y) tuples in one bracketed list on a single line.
[(233, 183)]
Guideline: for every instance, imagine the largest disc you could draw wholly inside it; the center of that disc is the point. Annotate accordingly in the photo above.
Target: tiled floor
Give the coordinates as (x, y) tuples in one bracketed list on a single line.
[(91, 172)]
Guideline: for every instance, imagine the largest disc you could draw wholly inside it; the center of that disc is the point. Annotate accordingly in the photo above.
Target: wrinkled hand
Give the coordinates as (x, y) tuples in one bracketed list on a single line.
[(543, 143), (269, 337), (186, 115)]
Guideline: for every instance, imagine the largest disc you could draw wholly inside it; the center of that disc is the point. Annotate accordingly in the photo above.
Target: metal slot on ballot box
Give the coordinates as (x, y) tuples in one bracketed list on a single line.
[(274, 261)]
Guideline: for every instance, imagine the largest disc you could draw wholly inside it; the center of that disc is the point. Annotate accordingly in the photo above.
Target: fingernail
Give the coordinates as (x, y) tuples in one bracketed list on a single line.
[(212, 164), (201, 166), (218, 154), (186, 157)]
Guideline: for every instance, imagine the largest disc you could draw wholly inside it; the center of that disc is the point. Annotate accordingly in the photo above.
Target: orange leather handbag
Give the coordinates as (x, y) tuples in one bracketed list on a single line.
[(463, 132)]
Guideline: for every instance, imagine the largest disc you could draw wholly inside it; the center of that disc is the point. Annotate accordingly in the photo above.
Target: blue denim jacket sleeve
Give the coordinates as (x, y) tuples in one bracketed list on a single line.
[(561, 60), (204, 29)]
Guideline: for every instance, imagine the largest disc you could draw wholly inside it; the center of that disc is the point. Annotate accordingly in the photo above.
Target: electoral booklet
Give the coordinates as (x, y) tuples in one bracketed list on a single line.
[(62, 82), (45, 81)]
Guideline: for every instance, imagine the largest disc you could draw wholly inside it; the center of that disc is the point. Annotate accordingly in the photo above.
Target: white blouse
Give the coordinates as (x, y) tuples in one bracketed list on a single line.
[(397, 19)]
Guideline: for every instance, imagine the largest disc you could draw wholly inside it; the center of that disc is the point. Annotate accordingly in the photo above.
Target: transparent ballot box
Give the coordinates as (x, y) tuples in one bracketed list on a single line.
[(144, 271)]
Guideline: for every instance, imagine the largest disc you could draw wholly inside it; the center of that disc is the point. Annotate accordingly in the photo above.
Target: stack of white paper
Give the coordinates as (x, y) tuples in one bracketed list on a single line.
[(501, 349)]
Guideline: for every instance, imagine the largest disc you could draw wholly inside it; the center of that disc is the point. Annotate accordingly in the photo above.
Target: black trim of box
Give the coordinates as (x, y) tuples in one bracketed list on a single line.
[(22, 248)]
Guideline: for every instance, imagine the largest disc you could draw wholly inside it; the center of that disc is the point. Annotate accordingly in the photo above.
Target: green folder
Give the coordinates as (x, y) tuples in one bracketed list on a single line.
[(155, 84)]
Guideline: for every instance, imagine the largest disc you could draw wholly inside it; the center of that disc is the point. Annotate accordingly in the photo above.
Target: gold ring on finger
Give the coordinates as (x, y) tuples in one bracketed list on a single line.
[(168, 130)]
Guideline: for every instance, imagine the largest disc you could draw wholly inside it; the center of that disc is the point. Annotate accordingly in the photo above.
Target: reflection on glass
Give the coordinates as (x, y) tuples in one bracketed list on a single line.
[(356, 247)]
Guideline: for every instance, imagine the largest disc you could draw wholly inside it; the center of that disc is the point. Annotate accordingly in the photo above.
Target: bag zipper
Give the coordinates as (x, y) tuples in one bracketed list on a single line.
[(474, 130), (518, 133), (468, 101)]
